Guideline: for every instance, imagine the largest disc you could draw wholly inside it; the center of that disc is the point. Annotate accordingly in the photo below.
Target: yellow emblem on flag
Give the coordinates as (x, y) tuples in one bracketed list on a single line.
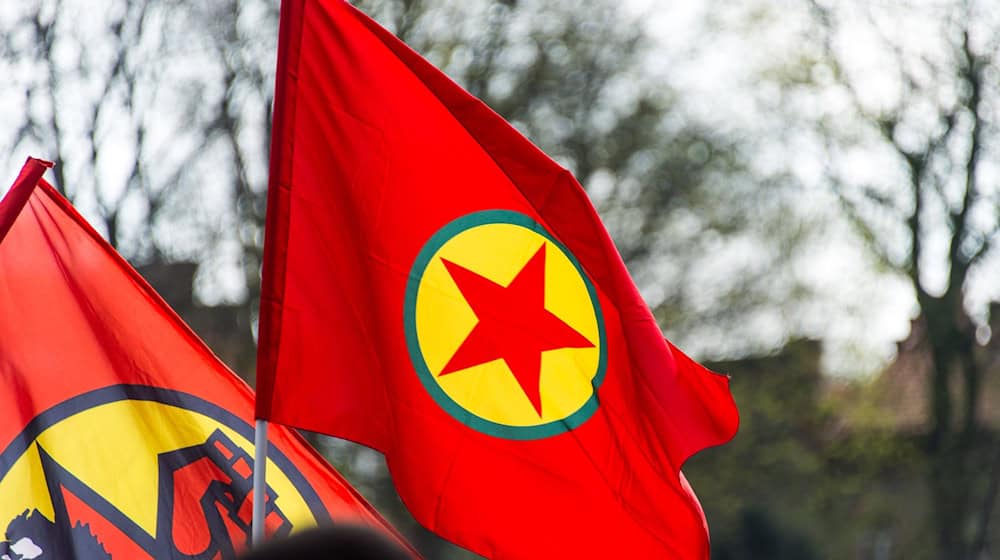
[(142, 472), (505, 328)]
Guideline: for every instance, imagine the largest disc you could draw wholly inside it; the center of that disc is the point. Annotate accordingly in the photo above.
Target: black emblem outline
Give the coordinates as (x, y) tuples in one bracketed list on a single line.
[(160, 545)]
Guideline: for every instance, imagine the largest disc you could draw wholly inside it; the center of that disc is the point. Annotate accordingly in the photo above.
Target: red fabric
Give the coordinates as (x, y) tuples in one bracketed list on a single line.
[(76, 318), (374, 150)]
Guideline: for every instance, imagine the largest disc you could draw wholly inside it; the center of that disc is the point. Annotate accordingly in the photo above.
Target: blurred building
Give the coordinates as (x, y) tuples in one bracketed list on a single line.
[(902, 391)]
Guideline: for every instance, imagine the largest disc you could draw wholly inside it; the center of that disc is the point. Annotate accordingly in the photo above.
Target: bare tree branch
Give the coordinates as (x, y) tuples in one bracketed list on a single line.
[(971, 72), (45, 32)]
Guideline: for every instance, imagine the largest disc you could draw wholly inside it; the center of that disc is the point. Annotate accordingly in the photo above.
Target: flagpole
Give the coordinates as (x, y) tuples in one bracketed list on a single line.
[(259, 484)]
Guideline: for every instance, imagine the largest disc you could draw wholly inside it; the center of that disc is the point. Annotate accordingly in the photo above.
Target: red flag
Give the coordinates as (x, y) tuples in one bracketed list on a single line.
[(437, 288), (121, 435)]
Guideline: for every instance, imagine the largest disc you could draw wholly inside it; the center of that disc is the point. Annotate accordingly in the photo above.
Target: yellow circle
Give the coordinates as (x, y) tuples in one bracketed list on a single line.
[(443, 320)]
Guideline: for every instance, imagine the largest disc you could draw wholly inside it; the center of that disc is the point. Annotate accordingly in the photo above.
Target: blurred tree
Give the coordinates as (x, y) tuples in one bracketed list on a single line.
[(102, 86), (759, 538), (106, 92), (808, 476), (156, 114), (902, 100), (763, 507)]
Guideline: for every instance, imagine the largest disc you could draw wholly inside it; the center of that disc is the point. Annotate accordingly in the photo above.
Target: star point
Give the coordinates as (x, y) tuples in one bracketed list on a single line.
[(512, 324)]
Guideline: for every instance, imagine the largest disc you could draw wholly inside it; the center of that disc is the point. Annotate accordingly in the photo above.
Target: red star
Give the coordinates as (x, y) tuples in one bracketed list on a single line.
[(513, 324)]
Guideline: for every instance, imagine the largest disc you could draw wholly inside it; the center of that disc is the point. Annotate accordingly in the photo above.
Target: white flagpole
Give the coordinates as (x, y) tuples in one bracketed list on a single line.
[(259, 482)]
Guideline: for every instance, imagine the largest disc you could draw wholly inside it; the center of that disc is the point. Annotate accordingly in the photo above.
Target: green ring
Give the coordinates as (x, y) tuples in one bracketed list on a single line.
[(442, 236)]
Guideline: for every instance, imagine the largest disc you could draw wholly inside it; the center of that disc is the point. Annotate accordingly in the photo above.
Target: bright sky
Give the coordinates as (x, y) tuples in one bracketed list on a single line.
[(862, 314)]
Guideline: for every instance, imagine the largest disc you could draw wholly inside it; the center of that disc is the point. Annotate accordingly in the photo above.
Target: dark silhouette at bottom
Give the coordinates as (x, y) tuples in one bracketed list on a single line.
[(338, 542)]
